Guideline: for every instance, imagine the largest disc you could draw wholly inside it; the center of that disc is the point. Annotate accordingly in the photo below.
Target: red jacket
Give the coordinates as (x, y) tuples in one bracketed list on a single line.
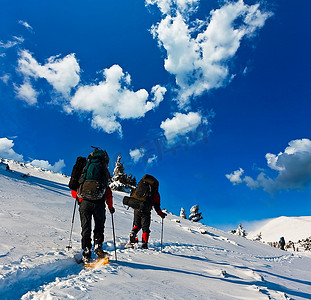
[(156, 204), (108, 194)]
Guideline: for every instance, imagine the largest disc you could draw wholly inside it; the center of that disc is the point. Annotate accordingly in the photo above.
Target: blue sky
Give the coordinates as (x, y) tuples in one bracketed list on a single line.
[(211, 97)]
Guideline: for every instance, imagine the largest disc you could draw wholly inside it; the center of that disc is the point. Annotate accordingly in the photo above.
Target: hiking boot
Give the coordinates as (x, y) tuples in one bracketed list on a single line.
[(86, 255), (145, 238), (144, 245), (99, 251), (133, 238)]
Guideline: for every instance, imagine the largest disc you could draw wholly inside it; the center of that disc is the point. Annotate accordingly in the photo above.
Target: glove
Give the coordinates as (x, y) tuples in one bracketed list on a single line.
[(112, 210), (163, 214)]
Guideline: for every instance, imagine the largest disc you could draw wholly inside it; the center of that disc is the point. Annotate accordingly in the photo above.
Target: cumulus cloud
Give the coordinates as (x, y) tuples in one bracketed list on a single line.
[(44, 164), (113, 99), (180, 125), (235, 177), (157, 93), (292, 167), (26, 93), (137, 154), (6, 150), (61, 73), (198, 53), (109, 101)]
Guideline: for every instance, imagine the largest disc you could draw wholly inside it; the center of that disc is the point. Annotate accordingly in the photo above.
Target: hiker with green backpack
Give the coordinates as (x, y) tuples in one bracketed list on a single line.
[(89, 185), (145, 197)]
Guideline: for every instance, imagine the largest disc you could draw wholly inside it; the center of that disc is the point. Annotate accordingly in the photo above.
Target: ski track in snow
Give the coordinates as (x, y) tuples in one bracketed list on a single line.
[(197, 261)]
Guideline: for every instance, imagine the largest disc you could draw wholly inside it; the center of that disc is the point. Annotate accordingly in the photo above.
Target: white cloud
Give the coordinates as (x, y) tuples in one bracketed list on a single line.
[(5, 78), (61, 73), (6, 150), (137, 154), (169, 6), (25, 24), (112, 100), (152, 159), (44, 164), (235, 177), (9, 44), (158, 93), (200, 63), (108, 101), (26, 93), (293, 167), (180, 124)]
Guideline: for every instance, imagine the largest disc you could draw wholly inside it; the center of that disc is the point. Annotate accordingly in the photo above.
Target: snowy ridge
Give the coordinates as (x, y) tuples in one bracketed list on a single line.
[(292, 228), (197, 261), (30, 170)]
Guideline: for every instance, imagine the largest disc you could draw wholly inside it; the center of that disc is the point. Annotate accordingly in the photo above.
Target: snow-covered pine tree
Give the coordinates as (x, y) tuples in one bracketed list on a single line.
[(195, 215), (240, 231), (118, 172), (120, 181), (183, 213)]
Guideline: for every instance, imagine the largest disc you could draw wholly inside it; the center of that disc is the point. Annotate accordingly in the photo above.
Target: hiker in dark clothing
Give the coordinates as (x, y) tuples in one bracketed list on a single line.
[(92, 195), (282, 243), (142, 217)]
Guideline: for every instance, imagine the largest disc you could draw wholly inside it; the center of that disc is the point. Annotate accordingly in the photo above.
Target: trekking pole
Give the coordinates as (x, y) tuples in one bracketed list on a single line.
[(114, 238), (162, 235), (73, 218)]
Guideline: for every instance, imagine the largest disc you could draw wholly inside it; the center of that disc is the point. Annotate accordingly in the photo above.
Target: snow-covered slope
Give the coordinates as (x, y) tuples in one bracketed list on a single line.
[(291, 228), (35, 217)]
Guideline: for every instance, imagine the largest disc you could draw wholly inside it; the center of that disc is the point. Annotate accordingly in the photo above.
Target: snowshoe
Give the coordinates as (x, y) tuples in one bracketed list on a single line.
[(98, 262), (99, 252), (130, 245)]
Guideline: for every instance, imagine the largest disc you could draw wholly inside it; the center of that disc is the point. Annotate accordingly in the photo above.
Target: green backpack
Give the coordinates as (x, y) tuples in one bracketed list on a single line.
[(95, 176)]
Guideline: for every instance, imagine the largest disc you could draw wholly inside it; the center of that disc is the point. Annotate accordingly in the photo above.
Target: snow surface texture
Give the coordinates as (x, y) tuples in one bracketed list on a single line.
[(36, 214)]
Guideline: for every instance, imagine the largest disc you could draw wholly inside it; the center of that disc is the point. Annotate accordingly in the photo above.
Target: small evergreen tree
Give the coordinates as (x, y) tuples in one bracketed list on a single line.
[(118, 172), (120, 181), (195, 215), (240, 231), (183, 213)]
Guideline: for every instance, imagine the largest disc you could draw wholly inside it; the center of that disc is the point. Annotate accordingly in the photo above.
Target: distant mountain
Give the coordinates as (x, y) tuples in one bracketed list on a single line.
[(291, 228)]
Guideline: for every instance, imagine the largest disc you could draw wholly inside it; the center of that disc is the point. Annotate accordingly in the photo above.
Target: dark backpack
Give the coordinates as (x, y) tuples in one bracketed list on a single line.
[(76, 173), (142, 195), (95, 176)]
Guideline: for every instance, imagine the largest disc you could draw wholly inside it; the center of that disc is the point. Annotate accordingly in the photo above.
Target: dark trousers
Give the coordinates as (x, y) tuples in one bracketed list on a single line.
[(97, 210), (141, 220)]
